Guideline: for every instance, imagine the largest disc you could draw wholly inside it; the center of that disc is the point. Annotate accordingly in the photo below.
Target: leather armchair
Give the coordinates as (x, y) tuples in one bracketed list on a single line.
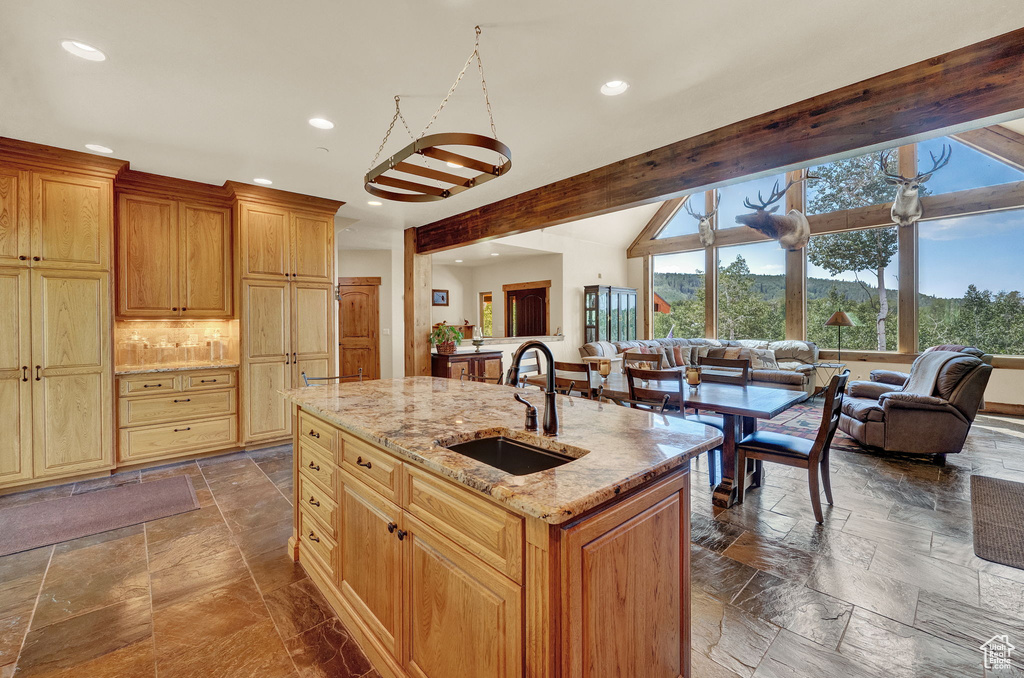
[(879, 414)]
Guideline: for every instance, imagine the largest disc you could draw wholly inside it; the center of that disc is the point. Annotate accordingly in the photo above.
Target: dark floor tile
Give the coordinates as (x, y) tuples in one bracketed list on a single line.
[(21, 575), (927, 573), (945, 520), (297, 607), (966, 625), (815, 539), (212, 615), (727, 635), (192, 546), (714, 535), (182, 524), (328, 651), (273, 537), (32, 496), (270, 453), (274, 569), (190, 579), (185, 468), (702, 666), (276, 465), (888, 597), (717, 575), (253, 650), (792, 656), (908, 536), (818, 617), (116, 480), (266, 511), (1005, 596), (220, 468), (759, 521), (799, 506), (770, 555)]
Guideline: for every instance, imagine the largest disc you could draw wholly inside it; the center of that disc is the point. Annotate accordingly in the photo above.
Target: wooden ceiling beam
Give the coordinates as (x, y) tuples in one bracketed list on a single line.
[(997, 142), (658, 222), (971, 83)]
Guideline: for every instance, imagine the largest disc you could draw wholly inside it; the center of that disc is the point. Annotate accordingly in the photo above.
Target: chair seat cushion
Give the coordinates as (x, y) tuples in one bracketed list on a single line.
[(863, 409), (778, 443)]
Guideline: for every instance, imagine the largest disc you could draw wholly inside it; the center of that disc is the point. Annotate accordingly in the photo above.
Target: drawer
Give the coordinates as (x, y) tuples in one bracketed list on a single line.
[(314, 430), (318, 467), (482, 528), (145, 442), (378, 470), (177, 407), (313, 538), (147, 384), (201, 381), (315, 501)]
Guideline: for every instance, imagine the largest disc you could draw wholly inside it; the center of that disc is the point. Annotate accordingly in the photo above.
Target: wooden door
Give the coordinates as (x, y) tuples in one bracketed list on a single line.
[(526, 312), (72, 378), (371, 560), (359, 326), (266, 360), (473, 630), (312, 325), (15, 382), (263, 234), (629, 616), (71, 222), (312, 248), (147, 257), (14, 223), (205, 285)]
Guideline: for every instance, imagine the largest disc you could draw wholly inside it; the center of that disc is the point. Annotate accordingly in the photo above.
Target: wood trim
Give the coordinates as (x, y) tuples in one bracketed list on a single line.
[(906, 341), (711, 292), (971, 83), (796, 266), (1000, 362), (279, 198), (1012, 409), (997, 142), (359, 280), (417, 308), (155, 185), (658, 222), (647, 298), (525, 285), (38, 156)]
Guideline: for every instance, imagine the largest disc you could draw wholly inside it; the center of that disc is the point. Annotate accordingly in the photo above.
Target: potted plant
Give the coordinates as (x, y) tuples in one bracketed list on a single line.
[(446, 338)]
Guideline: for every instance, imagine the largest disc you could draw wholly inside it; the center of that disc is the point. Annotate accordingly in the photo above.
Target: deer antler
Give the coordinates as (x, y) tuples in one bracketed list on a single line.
[(883, 161), (699, 216), (937, 163), (774, 197)]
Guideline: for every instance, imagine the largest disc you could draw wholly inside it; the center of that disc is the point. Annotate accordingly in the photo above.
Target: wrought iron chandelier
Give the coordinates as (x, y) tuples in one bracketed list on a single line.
[(381, 179)]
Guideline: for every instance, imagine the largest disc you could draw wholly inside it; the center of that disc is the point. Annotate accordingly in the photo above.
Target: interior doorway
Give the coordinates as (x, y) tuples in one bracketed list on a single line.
[(359, 327)]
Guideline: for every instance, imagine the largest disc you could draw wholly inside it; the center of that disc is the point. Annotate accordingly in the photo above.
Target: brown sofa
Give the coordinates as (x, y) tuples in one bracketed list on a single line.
[(795, 358), (882, 414)]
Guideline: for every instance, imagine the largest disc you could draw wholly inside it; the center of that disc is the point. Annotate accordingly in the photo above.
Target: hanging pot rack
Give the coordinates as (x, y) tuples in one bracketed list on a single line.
[(382, 177)]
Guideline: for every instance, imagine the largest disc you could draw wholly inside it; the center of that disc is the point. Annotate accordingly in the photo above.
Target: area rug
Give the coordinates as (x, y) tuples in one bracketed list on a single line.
[(997, 507), (803, 420), (49, 522)]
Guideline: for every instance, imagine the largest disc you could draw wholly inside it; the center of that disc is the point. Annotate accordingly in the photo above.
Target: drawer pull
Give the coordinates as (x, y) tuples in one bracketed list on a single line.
[(24, 372), (313, 502), (179, 430), (313, 537), (392, 527), (207, 381), (315, 467), (360, 462), (313, 434), (401, 535), (185, 400), (152, 385), (38, 378)]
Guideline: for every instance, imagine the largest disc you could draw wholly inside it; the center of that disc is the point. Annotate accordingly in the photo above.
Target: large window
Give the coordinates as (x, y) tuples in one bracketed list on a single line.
[(752, 292), (681, 222), (967, 167), (849, 183), (679, 295), (972, 282), (732, 198)]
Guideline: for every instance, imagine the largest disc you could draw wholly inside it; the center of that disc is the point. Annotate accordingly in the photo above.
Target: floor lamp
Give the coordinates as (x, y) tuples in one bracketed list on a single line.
[(839, 320)]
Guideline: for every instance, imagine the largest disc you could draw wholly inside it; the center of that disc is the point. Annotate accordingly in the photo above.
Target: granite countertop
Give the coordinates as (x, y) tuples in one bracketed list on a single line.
[(626, 447), (171, 367)]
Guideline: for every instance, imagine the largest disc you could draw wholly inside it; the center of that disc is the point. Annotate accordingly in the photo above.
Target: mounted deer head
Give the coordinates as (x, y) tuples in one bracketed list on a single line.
[(791, 230), (704, 230), (906, 208)]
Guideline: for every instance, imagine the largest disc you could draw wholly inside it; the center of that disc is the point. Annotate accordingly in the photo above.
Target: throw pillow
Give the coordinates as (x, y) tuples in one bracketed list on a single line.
[(700, 352), (734, 353), (715, 352), (670, 356), (681, 354), (763, 359)]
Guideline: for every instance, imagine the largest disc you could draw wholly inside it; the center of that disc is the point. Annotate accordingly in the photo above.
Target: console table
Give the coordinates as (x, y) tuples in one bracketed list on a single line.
[(478, 366)]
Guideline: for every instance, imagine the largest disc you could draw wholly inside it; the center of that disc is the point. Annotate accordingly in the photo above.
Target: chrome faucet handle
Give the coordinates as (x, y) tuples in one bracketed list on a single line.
[(531, 412)]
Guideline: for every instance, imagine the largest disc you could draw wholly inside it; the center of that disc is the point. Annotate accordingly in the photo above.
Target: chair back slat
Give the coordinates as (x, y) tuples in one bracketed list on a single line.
[(673, 383), (830, 414), (573, 378), (731, 370)]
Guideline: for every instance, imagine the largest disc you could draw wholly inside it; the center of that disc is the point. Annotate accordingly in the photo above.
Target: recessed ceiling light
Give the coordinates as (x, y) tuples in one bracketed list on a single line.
[(83, 51), (494, 254), (321, 123), (614, 87), (96, 148), (262, 181), (458, 261), (374, 203)]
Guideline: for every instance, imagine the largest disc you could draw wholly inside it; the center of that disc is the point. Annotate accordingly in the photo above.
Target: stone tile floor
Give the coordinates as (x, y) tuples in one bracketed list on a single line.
[(889, 587)]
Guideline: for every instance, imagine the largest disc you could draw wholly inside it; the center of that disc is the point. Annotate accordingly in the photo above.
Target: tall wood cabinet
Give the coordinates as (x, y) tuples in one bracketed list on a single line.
[(285, 260), (56, 367), (609, 313)]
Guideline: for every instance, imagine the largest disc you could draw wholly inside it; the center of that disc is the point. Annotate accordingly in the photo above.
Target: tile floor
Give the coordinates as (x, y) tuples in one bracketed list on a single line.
[(889, 587)]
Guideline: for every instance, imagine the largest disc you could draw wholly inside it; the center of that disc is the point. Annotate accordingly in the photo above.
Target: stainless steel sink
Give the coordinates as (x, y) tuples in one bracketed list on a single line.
[(516, 457)]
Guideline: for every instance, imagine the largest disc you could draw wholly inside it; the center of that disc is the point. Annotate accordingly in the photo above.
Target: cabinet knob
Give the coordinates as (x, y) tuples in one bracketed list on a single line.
[(364, 464), (313, 537), (313, 502), (315, 467), (392, 527), (183, 309), (37, 258), (23, 258), (313, 434), (174, 308), (401, 535)]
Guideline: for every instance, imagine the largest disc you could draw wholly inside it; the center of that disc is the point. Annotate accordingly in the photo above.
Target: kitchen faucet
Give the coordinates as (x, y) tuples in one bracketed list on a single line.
[(550, 413)]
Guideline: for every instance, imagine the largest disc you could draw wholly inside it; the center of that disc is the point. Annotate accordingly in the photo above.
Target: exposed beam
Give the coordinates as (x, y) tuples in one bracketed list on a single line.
[(796, 266), (971, 83), (647, 299), (417, 308), (997, 142), (658, 222)]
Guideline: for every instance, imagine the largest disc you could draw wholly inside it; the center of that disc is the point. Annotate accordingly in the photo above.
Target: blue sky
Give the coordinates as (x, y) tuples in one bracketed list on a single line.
[(982, 249)]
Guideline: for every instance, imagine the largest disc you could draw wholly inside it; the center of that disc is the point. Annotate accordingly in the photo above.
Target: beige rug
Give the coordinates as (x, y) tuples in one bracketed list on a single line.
[(997, 507)]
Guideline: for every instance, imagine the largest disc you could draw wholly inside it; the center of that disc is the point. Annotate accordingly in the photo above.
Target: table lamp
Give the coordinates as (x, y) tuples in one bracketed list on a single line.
[(840, 320)]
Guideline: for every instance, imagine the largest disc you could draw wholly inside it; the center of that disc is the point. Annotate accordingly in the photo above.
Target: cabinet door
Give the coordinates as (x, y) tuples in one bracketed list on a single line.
[(263, 234), (371, 560), (312, 248), (205, 262), (72, 379), (15, 382), (266, 358), (458, 367), (490, 369), (266, 415), (14, 231), (312, 327), (71, 222), (147, 257), (463, 619)]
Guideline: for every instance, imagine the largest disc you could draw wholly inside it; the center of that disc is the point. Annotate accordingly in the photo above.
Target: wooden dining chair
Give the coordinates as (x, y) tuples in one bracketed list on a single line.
[(729, 371), (799, 452), (530, 364), (573, 378)]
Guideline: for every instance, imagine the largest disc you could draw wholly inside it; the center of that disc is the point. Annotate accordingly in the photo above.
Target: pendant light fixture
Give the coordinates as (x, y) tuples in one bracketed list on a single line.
[(425, 157)]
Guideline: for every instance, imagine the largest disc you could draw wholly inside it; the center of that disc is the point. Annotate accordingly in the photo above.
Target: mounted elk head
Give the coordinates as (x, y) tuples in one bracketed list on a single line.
[(791, 230), (906, 208), (704, 230)]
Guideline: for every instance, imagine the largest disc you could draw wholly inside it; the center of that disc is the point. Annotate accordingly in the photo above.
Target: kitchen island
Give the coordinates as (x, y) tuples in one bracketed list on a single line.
[(445, 567)]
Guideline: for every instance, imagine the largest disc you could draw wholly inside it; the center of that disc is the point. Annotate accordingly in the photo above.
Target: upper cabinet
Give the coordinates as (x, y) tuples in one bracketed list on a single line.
[(281, 244), (14, 231), (174, 258), (312, 247)]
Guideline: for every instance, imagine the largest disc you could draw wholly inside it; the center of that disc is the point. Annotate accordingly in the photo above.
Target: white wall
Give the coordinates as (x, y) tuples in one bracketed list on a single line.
[(461, 295), (1004, 386), (386, 264)]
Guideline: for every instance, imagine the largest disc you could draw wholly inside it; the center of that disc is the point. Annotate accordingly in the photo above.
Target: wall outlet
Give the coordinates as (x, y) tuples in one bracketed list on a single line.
[(386, 331)]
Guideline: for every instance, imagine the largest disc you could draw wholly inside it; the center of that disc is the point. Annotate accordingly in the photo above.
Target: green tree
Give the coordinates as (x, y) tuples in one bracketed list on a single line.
[(743, 312)]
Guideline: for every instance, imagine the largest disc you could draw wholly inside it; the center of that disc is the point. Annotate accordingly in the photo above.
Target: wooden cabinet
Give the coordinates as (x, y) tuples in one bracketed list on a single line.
[(312, 247), (482, 366), (15, 379), (14, 217), (174, 259), (609, 313), (70, 224), (277, 243)]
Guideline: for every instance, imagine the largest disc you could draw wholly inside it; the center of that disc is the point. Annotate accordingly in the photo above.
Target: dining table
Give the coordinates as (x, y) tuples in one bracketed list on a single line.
[(741, 406)]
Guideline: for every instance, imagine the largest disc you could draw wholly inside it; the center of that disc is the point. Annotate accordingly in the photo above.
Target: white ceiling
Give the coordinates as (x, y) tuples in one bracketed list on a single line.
[(480, 254), (215, 90)]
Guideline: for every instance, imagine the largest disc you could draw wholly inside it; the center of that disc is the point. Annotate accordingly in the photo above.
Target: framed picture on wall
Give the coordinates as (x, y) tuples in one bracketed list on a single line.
[(439, 297)]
